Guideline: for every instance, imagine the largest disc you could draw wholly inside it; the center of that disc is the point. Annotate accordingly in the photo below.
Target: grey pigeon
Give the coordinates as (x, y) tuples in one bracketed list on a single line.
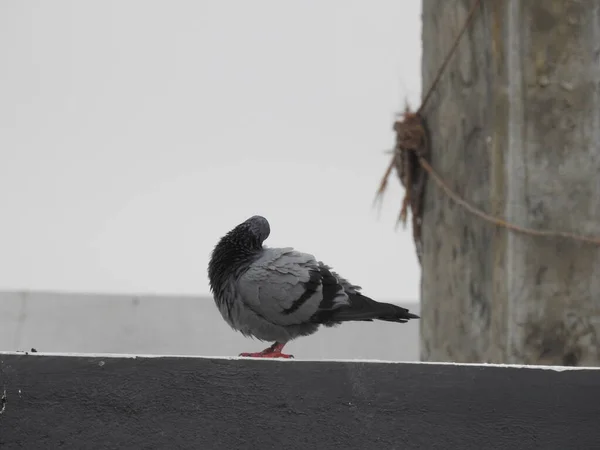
[(279, 294)]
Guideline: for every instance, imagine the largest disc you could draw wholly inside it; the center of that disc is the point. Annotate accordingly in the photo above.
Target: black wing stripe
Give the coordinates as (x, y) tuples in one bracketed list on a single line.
[(331, 288), (311, 286)]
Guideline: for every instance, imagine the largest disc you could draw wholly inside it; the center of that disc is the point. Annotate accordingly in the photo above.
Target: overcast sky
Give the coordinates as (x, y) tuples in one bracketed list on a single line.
[(134, 134)]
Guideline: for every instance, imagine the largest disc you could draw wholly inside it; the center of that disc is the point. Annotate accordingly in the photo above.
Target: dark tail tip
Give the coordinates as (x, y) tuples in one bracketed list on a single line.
[(412, 316)]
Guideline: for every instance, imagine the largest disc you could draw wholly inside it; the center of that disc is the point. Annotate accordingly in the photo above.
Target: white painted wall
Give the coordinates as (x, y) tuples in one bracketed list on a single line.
[(134, 134), (185, 325)]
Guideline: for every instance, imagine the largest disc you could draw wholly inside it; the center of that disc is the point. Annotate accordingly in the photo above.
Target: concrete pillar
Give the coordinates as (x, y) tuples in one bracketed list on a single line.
[(515, 130)]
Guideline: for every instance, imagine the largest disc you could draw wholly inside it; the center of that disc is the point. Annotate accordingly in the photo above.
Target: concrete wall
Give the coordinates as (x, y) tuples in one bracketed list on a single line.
[(93, 323), (91, 402)]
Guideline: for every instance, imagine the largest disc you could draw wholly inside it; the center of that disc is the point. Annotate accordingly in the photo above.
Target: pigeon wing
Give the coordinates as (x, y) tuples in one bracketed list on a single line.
[(288, 287)]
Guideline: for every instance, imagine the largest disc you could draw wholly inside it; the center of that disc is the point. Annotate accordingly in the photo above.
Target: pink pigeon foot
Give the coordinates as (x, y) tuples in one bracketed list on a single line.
[(274, 351)]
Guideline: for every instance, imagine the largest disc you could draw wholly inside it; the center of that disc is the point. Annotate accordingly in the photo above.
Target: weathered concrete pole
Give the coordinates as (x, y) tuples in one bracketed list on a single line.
[(515, 130)]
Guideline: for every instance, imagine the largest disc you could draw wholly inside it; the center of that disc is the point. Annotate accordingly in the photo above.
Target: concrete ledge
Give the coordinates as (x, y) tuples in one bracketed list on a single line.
[(112, 401)]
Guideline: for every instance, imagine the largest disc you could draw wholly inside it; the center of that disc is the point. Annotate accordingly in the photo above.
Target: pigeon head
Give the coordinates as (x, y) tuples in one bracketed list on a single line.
[(255, 229), (247, 236), (237, 249)]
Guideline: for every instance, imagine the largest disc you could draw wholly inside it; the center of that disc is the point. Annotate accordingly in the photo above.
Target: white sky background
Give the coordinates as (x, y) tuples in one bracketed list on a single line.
[(134, 134)]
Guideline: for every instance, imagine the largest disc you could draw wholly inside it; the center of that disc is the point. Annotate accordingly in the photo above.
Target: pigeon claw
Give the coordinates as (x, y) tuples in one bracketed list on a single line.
[(274, 351), (266, 354)]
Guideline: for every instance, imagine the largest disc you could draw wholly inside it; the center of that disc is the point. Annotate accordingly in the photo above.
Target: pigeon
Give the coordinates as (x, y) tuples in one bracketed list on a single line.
[(279, 294)]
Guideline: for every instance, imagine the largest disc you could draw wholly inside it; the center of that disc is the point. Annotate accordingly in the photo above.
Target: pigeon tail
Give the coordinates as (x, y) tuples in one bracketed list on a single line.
[(363, 308)]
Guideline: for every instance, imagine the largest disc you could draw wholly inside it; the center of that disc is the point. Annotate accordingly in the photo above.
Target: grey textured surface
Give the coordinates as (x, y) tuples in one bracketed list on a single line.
[(94, 323), (515, 131), (97, 402)]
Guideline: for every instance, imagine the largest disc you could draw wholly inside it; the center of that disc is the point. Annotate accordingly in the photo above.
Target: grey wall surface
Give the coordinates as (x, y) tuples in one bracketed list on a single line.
[(198, 403), (94, 323)]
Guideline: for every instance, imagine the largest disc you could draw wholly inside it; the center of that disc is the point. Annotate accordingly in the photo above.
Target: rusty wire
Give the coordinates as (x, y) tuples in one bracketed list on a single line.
[(410, 161), (408, 114), (496, 220)]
